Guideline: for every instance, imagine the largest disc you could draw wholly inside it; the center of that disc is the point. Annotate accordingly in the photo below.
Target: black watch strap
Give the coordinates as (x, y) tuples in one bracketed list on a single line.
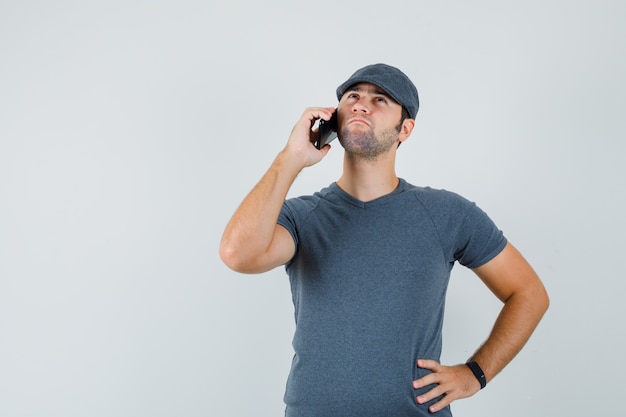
[(478, 373)]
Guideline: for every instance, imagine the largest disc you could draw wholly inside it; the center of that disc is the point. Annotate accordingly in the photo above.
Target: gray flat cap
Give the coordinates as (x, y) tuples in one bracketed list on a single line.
[(391, 79)]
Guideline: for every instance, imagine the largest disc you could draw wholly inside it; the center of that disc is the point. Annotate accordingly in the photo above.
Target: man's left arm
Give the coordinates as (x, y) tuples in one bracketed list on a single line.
[(515, 283)]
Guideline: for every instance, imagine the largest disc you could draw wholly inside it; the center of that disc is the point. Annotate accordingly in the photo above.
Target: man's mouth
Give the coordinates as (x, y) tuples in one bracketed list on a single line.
[(358, 120)]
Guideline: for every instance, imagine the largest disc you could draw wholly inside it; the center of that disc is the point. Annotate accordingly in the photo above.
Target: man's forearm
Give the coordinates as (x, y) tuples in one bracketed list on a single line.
[(517, 320), (251, 241), (251, 229)]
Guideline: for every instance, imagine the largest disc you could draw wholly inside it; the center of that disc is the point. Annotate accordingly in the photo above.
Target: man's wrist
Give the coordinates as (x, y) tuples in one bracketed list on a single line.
[(478, 373)]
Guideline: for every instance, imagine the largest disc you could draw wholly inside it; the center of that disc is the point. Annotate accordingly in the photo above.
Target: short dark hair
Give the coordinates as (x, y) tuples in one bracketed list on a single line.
[(405, 114)]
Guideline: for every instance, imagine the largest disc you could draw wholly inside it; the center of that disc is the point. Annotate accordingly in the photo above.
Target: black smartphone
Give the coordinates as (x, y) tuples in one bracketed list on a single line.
[(327, 131)]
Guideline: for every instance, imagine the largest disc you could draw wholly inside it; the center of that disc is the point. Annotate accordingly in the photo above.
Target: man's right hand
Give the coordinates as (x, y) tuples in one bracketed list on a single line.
[(300, 145)]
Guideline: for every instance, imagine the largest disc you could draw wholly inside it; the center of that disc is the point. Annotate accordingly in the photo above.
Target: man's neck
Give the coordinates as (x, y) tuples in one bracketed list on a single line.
[(368, 180)]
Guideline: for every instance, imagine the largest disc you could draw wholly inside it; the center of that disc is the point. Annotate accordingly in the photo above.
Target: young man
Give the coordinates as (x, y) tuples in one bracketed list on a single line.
[(369, 258)]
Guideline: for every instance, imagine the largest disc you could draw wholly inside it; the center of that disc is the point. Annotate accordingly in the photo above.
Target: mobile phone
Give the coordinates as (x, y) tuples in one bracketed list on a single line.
[(327, 131)]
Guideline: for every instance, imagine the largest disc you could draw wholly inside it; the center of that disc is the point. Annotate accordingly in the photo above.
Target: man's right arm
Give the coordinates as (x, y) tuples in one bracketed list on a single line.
[(253, 242)]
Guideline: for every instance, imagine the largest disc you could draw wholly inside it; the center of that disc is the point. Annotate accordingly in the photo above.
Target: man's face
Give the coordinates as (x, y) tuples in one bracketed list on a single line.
[(368, 121)]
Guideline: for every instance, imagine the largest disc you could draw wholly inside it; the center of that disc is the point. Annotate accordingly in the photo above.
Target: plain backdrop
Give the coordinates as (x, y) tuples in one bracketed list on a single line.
[(131, 130)]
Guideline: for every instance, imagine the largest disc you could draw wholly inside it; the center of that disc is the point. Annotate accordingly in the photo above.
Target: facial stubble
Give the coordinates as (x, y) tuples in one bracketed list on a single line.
[(367, 144)]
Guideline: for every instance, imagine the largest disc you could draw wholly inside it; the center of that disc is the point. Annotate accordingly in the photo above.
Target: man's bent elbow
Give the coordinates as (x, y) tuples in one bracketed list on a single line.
[(540, 298), (545, 300), (232, 258)]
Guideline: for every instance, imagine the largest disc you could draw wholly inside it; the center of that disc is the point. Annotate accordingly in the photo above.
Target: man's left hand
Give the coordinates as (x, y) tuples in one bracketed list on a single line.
[(452, 382)]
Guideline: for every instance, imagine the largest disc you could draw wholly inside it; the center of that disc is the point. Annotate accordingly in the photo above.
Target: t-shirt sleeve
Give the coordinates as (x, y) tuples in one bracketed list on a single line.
[(467, 233), (478, 239), (287, 219)]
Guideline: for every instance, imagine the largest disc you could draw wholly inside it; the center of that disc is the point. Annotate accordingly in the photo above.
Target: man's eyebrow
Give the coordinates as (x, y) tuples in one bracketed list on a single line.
[(378, 91)]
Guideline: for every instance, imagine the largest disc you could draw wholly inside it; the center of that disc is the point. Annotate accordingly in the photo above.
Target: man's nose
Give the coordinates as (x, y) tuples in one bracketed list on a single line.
[(359, 106)]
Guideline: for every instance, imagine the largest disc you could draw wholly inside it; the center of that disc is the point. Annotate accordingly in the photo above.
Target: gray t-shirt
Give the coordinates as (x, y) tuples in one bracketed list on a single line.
[(368, 282)]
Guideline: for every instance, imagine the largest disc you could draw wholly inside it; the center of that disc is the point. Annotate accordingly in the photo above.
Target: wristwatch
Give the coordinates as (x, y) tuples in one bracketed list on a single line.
[(478, 373)]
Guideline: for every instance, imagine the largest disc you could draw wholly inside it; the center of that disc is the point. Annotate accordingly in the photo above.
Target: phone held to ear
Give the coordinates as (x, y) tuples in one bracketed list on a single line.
[(327, 131)]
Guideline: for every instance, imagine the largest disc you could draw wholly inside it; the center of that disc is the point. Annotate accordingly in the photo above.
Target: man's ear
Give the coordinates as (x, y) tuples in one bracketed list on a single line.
[(406, 129)]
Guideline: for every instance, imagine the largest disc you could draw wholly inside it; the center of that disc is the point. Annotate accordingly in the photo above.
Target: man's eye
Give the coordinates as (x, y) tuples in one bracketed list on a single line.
[(381, 99)]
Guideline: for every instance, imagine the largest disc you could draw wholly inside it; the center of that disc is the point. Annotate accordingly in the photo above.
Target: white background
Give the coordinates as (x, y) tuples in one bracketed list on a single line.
[(130, 131)]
